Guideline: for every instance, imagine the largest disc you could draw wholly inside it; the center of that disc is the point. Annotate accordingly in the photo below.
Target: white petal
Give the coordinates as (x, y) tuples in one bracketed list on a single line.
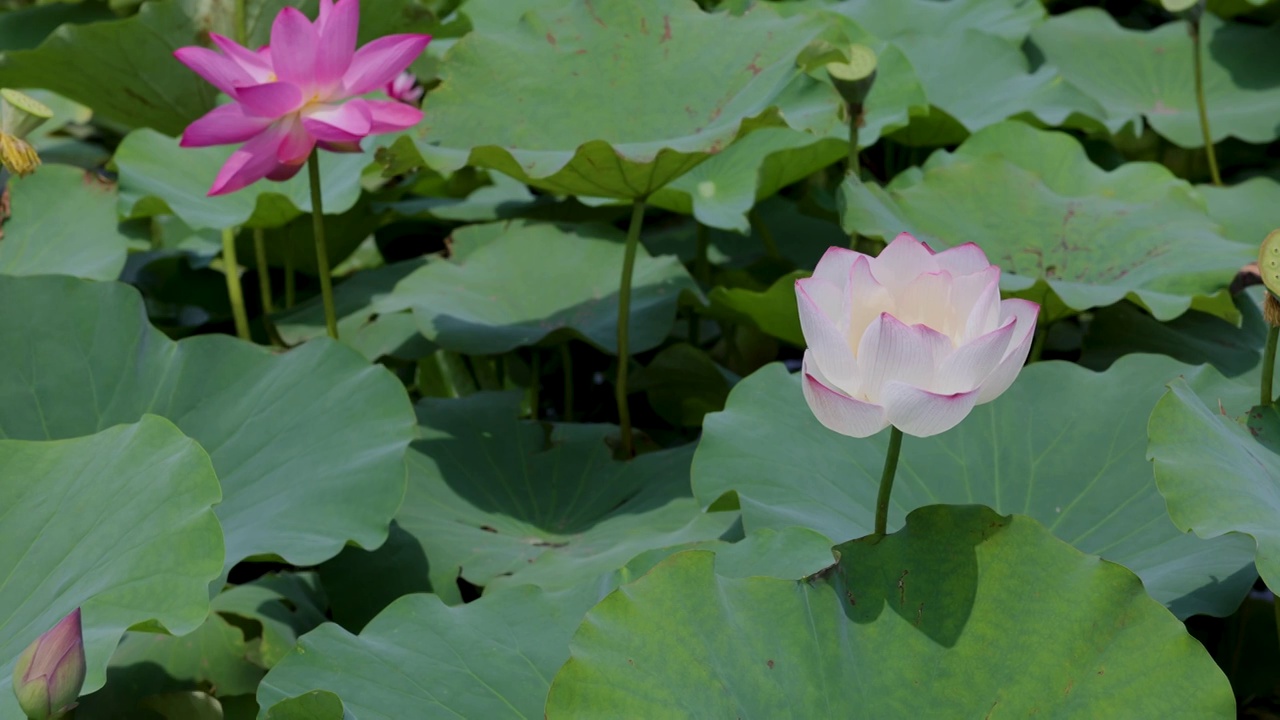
[(970, 364), (927, 301), (864, 299), (826, 295), (901, 261), (835, 263), (1024, 314), (963, 259), (976, 301), (891, 351), (837, 411), (827, 345), (922, 413)]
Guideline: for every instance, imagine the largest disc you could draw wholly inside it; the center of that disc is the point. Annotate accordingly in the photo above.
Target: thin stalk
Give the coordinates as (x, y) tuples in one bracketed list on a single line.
[(766, 235), (1198, 64), (886, 481), (322, 253), (1269, 367), (264, 272), (238, 23), (231, 270), (290, 282), (624, 318), (701, 272), (566, 366), (852, 166)]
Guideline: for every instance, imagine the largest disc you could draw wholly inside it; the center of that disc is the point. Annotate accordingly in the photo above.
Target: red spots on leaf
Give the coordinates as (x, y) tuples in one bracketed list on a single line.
[(644, 26), (591, 9), (666, 28), (753, 67), (551, 38), (770, 664)]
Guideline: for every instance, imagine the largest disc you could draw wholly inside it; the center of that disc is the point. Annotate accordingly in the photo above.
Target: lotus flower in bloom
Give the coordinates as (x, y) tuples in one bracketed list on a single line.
[(910, 338), (50, 672), (299, 92)]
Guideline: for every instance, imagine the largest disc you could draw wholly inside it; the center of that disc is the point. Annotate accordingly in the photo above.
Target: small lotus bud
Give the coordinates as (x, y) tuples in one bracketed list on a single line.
[(50, 672), (20, 113), (405, 88), (853, 78)]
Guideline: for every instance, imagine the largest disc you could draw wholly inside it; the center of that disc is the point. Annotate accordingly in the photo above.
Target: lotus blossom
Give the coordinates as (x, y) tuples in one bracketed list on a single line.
[(406, 89), (299, 92), (910, 338), (50, 672)]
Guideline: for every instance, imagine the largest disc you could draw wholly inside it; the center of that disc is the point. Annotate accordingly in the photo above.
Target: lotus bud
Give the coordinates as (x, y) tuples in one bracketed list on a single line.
[(853, 78), (50, 672), (405, 88)]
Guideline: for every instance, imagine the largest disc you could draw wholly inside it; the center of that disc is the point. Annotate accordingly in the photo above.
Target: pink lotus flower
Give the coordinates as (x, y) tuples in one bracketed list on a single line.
[(406, 89), (50, 673), (910, 338), (298, 93)]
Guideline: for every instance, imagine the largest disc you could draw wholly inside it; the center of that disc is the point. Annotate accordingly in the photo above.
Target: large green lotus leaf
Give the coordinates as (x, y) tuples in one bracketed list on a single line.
[(1063, 445), (63, 222), (717, 77), (1066, 233), (1010, 20), (1248, 211), (158, 177), (1241, 74), (983, 615), (498, 500), (24, 28), (524, 282), (492, 658), (772, 310), (284, 605), (118, 523), (80, 356), (1217, 463)]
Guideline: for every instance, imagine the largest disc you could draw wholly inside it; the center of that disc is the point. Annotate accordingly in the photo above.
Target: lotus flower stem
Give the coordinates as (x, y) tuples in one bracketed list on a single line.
[(231, 269), (322, 253), (290, 282), (886, 481), (854, 167), (1271, 313), (701, 265), (264, 272), (624, 316), (1198, 65)]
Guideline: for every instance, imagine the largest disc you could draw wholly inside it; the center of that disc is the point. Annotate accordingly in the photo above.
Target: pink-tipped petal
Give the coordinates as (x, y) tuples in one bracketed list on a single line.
[(1023, 313), (901, 261), (827, 346), (391, 116), (921, 413), (864, 299), (294, 48), (255, 64), (295, 146), (835, 410), (348, 122), (962, 259), (271, 100), (969, 365), (835, 263), (377, 63), (250, 163), (219, 70), (337, 35), (223, 125), (893, 352)]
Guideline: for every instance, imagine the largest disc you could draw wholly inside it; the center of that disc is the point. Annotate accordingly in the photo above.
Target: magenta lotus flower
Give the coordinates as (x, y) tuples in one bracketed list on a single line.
[(406, 89), (299, 92), (910, 338), (50, 672)]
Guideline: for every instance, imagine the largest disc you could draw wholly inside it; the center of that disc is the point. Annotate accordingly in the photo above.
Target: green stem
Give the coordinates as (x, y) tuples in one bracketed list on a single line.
[(886, 481), (290, 281), (701, 264), (1198, 64), (1269, 367), (264, 272), (624, 318), (1037, 343), (239, 26), (566, 365), (853, 167), (322, 253), (231, 270), (766, 236)]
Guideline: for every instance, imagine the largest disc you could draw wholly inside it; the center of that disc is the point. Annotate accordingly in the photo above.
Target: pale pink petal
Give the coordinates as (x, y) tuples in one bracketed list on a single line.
[(220, 71), (864, 299), (969, 365), (901, 261), (927, 300), (256, 64), (270, 100), (827, 346), (293, 48), (250, 163), (829, 297), (891, 351), (377, 63), (921, 413), (962, 259), (1024, 314), (975, 299), (837, 411), (835, 263), (348, 122), (296, 145), (391, 116), (223, 125), (337, 35)]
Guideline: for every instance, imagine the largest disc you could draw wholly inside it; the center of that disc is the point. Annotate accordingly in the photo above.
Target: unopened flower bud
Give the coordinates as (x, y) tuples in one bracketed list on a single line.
[(406, 89), (50, 672)]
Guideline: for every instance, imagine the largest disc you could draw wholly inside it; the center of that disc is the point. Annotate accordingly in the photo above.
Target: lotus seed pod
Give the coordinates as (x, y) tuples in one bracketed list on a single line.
[(854, 77), (1269, 262), (21, 113)]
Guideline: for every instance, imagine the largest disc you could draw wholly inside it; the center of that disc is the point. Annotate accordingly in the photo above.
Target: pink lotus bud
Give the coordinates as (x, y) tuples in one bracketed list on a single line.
[(406, 89), (50, 672), (910, 338)]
